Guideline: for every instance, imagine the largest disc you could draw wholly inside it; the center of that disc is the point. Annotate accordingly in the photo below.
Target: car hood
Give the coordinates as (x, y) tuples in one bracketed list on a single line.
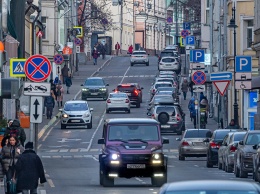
[(92, 87), (248, 149), (75, 112), (133, 148)]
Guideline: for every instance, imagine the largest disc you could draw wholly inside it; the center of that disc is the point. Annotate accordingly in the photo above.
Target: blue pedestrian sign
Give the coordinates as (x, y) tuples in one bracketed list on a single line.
[(190, 40), (197, 56), (243, 64), (186, 25), (221, 76), (17, 67)]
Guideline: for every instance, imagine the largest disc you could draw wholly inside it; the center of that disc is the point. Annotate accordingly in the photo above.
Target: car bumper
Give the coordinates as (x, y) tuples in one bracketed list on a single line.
[(247, 165), (76, 121), (213, 156), (100, 94), (139, 61), (193, 151), (171, 128), (117, 106), (171, 68)]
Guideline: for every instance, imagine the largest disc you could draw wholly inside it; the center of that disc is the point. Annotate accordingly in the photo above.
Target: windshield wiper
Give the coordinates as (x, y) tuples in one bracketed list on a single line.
[(119, 140), (138, 140)]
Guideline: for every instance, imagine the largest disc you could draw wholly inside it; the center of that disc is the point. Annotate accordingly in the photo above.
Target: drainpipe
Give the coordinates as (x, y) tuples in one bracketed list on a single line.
[(33, 27), (4, 15)]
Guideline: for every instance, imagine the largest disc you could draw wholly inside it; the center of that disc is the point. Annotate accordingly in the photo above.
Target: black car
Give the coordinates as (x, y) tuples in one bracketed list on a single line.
[(132, 147), (214, 144), (94, 87), (134, 92)]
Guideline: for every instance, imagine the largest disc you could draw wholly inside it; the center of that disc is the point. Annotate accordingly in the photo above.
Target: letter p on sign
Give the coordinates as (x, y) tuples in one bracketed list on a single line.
[(243, 63)]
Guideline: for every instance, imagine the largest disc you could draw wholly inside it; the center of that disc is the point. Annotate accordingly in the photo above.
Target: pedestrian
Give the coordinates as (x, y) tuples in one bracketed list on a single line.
[(28, 171), (49, 103), (65, 72), (232, 125), (191, 84), (56, 80), (9, 122), (130, 49), (53, 87), (201, 96), (4, 142), (10, 154), (68, 83), (59, 92), (184, 87), (103, 51), (16, 130), (95, 55), (117, 48), (192, 110)]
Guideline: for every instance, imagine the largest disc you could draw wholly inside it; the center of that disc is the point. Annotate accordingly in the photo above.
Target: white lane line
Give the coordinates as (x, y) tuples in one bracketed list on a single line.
[(39, 146), (125, 75), (42, 191), (94, 158), (47, 134), (50, 183)]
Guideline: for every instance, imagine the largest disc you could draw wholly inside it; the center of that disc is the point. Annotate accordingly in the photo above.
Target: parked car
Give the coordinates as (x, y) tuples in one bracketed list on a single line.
[(157, 85), (243, 158), (157, 99), (139, 57), (210, 187), (256, 163), (169, 63), (94, 87), (230, 149), (128, 151), (193, 143), (167, 53), (118, 101), (214, 144), (76, 113), (174, 90)]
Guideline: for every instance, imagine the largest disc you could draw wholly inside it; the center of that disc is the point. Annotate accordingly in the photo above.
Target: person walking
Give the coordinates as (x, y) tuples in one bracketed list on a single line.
[(16, 130), (56, 80), (68, 83), (95, 55), (28, 171), (103, 51), (59, 92), (10, 154), (117, 48), (191, 84), (184, 87), (49, 103), (130, 49), (65, 72), (192, 110)]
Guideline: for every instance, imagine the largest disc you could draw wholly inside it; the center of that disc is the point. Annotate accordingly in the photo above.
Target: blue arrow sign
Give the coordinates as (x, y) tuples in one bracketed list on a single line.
[(221, 76)]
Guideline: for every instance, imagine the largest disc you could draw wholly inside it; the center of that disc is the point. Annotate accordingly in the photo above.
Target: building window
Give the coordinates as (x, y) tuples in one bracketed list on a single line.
[(250, 31), (207, 13), (44, 23)]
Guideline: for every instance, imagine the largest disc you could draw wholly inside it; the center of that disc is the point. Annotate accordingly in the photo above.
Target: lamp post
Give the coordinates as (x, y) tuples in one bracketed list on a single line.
[(233, 26)]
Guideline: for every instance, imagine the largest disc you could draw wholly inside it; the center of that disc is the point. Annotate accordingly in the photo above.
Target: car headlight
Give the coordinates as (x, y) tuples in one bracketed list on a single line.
[(86, 115), (64, 115), (156, 156), (103, 89), (84, 89), (114, 156)]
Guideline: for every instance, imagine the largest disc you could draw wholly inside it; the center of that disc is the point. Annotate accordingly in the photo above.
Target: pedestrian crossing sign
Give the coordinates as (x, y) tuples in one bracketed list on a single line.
[(17, 67)]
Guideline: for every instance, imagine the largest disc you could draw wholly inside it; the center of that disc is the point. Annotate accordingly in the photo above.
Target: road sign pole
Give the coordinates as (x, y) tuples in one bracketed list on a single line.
[(36, 137)]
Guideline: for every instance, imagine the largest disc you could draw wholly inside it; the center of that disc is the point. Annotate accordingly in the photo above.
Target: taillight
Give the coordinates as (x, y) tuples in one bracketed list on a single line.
[(127, 101), (136, 92), (185, 143), (233, 148), (154, 90), (178, 117), (214, 145), (108, 101), (153, 117), (160, 64)]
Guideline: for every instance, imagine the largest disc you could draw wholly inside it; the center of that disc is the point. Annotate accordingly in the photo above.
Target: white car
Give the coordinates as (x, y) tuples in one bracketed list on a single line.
[(118, 101), (159, 84), (169, 63), (139, 57), (76, 113)]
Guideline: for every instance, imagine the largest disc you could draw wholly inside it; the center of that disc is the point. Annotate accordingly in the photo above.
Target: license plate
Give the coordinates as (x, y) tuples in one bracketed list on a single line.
[(129, 94), (168, 64), (136, 166), (165, 126), (75, 121), (94, 94), (198, 143)]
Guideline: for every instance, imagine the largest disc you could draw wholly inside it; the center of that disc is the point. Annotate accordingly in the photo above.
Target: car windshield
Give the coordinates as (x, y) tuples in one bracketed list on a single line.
[(139, 53), (253, 139), (118, 96), (196, 133), (169, 60), (219, 135), (163, 85), (75, 107), (166, 89), (167, 109), (94, 82), (210, 192), (128, 132)]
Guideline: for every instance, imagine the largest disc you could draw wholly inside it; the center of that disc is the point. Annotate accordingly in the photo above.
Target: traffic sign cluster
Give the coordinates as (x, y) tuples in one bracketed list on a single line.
[(243, 72)]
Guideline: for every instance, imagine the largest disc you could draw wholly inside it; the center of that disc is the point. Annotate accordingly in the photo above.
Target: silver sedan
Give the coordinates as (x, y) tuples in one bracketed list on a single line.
[(118, 101)]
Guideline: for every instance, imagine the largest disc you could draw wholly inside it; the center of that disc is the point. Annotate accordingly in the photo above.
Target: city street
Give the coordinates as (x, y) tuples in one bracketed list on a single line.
[(70, 157)]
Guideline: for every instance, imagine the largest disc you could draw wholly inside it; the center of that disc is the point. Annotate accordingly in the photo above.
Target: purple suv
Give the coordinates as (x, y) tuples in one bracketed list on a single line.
[(132, 147)]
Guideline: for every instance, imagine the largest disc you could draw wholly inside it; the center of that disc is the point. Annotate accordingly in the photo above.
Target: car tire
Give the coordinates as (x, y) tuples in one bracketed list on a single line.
[(256, 173), (107, 181), (228, 168), (159, 181), (101, 177), (62, 126), (147, 64), (138, 105), (209, 164), (131, 64), (107, 111), (242, 174), (237, 173), (163, 118), (219, 165), (223, 165), (128, 111), (182, 158), (90, 125)]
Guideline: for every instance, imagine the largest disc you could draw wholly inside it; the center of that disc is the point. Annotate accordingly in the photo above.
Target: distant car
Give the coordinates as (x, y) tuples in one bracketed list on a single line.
[(118, 101), (132, 147), (157, 85), (134, 92), (94, 87), (214, 144), (139, 57), (174, 90), (210, 187), (169, 63), (76, 113), (193, 143), (157, 99), (167, 53)]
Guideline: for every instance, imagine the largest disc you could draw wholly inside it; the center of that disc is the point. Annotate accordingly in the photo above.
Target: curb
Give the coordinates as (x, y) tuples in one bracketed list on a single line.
[(43, 130)]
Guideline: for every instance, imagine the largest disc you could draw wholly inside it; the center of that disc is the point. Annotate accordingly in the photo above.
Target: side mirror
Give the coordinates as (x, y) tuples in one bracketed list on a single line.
[(255, 147), (101, 141), (107, 84), (91, 109), (165, 141), (81, 85), (142, 88), (61, 109), (149, 114), (235, 145), (178, 139), (241, 142), (206, 140)]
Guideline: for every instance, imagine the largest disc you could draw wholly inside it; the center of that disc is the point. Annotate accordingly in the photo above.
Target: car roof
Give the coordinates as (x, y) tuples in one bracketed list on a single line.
[(76, 101), (211, 185), (162, 83), (230, 130), (169, 57), (139, 51), (196, 129), (131, 121), (94, 78)]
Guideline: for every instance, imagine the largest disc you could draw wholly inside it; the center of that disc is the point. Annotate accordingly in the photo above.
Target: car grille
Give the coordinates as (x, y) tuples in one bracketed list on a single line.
[(75, 115), (93, 90), (135, 157)]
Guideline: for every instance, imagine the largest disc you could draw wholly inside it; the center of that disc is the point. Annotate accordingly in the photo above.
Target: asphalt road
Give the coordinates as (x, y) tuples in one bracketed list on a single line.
[(70, 156)]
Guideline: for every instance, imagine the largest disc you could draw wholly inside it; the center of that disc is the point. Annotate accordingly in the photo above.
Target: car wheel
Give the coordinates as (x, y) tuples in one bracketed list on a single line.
[(163, 118), (147, 64), (181, 158), (107, 181), (90, 124), (219, 165), (228, 168), (237, 173), (128, 111), (107, 111), (223, 165), (131, 64), (62, 126), (159, 181), (257, 175), (101, 177), (209, 164), (138, 105), (242, 174)]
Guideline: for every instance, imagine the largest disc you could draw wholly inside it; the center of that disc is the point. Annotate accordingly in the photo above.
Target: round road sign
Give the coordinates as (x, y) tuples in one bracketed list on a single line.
[(77, 41), (184, 33), (37, 68), (58, 59), (199, 77)]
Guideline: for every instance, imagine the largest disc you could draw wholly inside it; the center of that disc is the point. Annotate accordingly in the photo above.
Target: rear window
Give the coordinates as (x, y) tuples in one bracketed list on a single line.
[(167, 54), (117, 96), (169, 110), (196, 133), (166, 89), (76, 107), (139, 53), (239, 136), (125, 88), (165, 80), (169, 60), (163, 85)]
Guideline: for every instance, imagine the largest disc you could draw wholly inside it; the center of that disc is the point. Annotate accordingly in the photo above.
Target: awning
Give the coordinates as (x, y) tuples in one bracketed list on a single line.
[(256, 82)]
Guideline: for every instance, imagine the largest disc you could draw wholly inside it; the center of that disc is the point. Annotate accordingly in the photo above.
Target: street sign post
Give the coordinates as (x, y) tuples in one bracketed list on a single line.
[(199, 77), (221, 86), (243, 76), (199, 88), (190, 40), (36, 106), (186, 25), (17, 67), (36, 89), (221, 76), (58, 59), (243, 64), (37, 68)]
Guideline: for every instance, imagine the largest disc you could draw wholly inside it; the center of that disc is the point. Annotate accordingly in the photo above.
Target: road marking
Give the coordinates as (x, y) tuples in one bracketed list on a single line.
[(47, 134), (39, 146), (40, 134), (64, 150), (74, 150), (94, 150), (94, 158), (50, 183), (124, 75)]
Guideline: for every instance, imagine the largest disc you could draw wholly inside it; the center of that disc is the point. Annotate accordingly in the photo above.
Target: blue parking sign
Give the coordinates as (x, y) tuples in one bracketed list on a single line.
[(190, 40), (186, 25), (243, 64), (198, 56)]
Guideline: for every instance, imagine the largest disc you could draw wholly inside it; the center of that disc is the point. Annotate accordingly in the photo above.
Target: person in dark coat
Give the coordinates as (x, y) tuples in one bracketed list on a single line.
[(232, 125), (16, 130), (68, 83), (49, 103), (29, 170)]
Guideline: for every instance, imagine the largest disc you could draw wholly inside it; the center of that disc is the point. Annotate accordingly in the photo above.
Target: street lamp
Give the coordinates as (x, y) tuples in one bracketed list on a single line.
[(232, 25)]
